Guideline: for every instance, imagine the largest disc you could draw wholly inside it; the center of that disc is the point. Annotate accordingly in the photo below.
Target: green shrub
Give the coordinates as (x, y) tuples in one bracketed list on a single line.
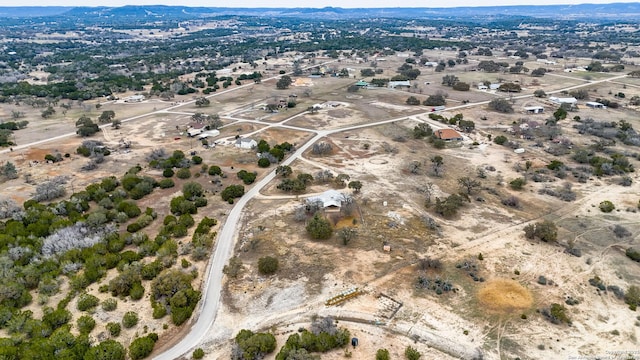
[(382, 354), (559, 314), (166, 183), (200, 202), (500, 139), (267, 265), (87, 301), (319, 228), (255, 345), (214, 170), (198, 353), (130, 208), (109, 304), (159, 311), (632, 297), (140, 348), (167, 173), (133, 227), (108, 349), (606, 206), (183, 173), (247, 177), (130, 319), (137, 291), (84, 151), (411, 353), (231, 192), (85, 324), (114, 328), (546, 231), (196, 159), (264, 162), (633, 254), (517, 184)]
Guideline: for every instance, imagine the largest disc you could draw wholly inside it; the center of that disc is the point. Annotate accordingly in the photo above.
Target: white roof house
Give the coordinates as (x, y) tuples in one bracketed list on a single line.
[(330, 199), (568, 100), (134, 98), (482, 87), (209, 133), (246, 143), (395, 84)]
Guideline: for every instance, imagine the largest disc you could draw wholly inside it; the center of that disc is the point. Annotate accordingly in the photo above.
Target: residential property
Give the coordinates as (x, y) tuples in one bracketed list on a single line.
[(568, 100), (246, 143), (399, 84), (494, 86), (482, 87), (546, 61), (362, 84), (134, 98), (193, 132), (195, 129), (534, 109), (331, 200), (209, 133), (448, 135), (595, 105)]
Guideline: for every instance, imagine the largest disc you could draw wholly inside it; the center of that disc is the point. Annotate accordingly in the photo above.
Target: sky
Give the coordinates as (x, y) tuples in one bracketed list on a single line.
[(305, 3)]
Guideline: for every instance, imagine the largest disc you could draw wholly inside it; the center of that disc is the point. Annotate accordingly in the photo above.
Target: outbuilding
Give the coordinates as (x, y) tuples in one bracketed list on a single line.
[(595, 105), (534, 109)]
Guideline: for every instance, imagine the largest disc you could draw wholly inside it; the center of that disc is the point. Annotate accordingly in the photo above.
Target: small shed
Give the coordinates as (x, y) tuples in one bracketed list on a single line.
[(534, 109), (595, 105)]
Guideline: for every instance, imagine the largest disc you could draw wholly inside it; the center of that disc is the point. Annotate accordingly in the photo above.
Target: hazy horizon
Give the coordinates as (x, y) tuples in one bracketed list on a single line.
[(306, 4)]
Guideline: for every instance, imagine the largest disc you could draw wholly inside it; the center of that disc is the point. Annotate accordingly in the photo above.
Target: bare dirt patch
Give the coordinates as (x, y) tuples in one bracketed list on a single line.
[(504, 296)]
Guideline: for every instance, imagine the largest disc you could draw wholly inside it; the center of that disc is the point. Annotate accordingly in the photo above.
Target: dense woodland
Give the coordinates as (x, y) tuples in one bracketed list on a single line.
[(47, 243)]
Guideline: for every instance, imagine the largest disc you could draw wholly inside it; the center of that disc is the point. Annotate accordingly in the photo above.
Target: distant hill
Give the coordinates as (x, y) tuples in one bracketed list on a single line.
[(614, 11), (32, 11)]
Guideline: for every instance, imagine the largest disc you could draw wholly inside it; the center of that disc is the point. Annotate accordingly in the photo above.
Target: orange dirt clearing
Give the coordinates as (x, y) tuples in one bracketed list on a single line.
[(504, 296)]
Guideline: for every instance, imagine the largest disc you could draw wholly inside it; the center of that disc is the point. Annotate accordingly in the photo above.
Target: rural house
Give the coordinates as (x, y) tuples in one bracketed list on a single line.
[(246, 143), (448, 135), (399, 84), (567, 100), (331, 200)]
